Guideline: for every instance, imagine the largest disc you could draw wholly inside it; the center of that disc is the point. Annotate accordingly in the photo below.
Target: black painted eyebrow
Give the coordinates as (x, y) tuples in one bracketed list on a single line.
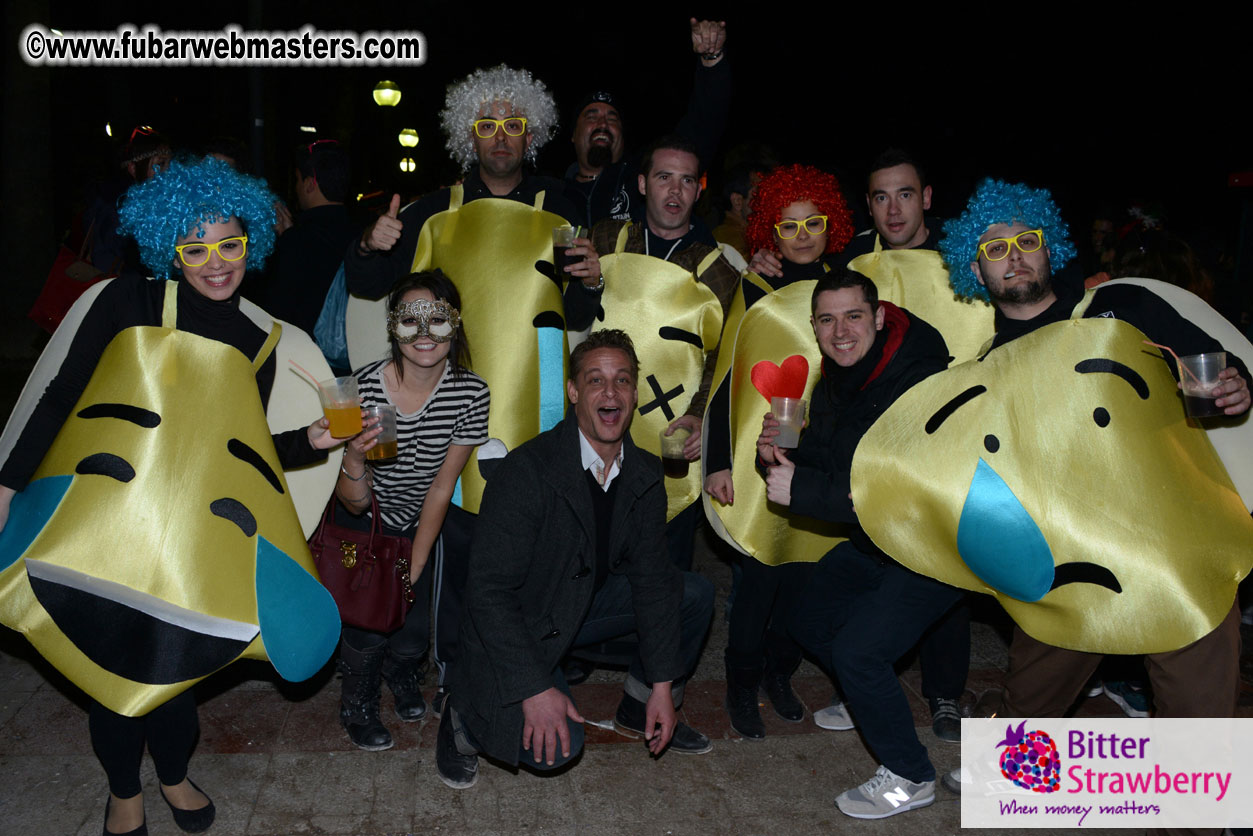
[(145, 418), (244, 453), (1114, 367), (942, 414), (667, 332), (236, 512)]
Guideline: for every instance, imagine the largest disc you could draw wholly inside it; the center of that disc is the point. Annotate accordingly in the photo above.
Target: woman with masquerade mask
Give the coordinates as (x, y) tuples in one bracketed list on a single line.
[(203, 224), (441, 416)]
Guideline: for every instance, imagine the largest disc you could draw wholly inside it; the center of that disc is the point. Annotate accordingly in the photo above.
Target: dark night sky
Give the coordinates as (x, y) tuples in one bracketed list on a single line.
[(1101, 109)]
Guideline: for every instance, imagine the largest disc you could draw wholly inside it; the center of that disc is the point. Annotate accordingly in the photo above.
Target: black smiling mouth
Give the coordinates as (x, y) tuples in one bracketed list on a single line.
[(1081, 572), (134, 635)]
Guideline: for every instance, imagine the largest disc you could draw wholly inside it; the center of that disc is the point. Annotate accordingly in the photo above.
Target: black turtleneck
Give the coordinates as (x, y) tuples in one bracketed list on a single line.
[(127, 303)]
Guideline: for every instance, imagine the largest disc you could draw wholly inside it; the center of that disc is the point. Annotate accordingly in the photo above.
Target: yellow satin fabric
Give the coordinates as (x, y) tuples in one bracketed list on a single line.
[(156, 533), (774, 328), (642, 295), (489, 249), (1145, 496), (918, 281)]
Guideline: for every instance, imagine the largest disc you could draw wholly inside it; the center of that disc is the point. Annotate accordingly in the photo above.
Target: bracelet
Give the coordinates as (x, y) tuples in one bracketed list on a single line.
[(361, 498), (711, 56), (598, 287), (349, 475)]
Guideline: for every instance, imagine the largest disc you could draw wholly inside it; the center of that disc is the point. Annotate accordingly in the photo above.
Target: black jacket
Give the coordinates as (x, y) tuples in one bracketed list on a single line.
[(532, 574), (846, 402)]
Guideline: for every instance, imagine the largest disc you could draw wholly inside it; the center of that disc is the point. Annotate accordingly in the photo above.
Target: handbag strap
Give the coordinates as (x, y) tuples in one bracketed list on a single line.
[(328, 516)]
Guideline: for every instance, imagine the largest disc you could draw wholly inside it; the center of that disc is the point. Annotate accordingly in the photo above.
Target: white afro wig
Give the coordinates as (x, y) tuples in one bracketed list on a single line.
[(465, 100)]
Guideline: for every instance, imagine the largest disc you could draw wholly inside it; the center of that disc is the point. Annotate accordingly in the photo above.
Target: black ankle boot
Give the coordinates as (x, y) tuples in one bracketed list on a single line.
[(742, 702), (776, 682), (359, 701), (403, 675)]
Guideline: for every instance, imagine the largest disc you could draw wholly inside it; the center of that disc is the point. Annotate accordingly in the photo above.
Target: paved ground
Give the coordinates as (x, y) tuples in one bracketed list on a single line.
[(274, 759)]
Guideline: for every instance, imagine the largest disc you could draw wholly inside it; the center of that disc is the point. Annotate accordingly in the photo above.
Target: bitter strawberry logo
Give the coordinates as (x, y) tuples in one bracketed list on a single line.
[(1030, 759)]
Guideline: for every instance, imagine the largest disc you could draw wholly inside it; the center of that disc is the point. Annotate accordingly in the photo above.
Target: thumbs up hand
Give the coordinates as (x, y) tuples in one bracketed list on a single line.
[(383, 234)]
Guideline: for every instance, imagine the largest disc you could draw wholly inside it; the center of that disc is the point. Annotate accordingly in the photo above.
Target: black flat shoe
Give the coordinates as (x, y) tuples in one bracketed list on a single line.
[(192, 821), (142, 830)]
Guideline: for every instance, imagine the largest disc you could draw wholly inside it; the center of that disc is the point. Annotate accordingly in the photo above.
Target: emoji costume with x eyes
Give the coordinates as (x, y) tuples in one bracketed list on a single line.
[(138, 563), (1059, 475), (513, 312), (674, 321), (769, 349)]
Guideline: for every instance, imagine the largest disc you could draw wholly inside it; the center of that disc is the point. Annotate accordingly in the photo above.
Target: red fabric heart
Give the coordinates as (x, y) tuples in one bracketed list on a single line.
[(786, 381)]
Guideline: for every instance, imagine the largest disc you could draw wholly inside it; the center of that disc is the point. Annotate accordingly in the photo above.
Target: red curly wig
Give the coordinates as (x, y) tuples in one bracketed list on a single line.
[(787, 185)]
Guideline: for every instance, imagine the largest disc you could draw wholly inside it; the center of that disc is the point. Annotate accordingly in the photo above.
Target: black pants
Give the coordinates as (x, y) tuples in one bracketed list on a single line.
[(860, 614), (758, 625), (169, 732)]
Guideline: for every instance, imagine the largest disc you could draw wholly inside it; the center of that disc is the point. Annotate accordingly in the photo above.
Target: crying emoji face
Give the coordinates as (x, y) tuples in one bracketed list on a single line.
[(1059, 475), (157, 541)]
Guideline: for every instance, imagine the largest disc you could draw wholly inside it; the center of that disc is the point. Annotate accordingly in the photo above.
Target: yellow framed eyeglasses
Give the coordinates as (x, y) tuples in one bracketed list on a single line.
[(229, 249), (814, 225), (486, 128), (1027, 241)]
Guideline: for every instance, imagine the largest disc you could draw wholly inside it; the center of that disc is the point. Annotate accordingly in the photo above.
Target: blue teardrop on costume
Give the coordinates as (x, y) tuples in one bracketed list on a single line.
[(29, 512), (1000, 542), (298, 617), (552, 378)]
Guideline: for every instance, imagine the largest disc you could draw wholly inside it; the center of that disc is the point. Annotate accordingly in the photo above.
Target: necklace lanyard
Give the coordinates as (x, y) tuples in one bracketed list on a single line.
[(648, 249)]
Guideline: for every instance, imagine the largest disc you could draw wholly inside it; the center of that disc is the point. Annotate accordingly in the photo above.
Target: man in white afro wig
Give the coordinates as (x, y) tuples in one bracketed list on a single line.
[(503, 94)]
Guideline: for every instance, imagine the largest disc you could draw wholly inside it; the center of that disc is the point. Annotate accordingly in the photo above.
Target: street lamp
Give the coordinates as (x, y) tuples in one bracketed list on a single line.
[(386, 94), (408, 137), (407, 165)]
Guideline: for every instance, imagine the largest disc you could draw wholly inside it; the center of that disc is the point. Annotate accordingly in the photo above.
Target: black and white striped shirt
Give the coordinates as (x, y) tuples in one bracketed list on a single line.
[(455, 413)]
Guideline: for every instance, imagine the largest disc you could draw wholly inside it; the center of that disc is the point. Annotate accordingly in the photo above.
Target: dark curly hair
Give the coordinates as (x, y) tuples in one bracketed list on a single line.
[(787, 185)]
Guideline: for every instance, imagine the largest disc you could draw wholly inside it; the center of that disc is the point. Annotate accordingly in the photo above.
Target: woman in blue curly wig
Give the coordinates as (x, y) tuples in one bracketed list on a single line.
[(202, 224)]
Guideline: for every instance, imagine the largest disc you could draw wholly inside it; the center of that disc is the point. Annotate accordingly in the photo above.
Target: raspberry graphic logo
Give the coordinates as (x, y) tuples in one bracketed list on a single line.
[(1030, 759)]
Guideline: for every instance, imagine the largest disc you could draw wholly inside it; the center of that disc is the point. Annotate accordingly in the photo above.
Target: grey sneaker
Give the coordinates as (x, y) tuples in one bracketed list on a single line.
[(835, 717), (955, 780), (886, 794), (946, 720)]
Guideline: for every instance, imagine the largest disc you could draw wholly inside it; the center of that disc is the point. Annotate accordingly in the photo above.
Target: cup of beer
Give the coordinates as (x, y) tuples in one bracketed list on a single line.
[(563, 240), (386, 448), (341, 406), (790, 413), (1199, 375), (673, 462)]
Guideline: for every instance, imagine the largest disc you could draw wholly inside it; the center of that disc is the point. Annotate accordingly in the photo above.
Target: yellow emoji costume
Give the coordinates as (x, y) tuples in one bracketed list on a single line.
[(769, 350), (139, 563), (1059, 475), (675, 321), (513, 312), (917, 280)]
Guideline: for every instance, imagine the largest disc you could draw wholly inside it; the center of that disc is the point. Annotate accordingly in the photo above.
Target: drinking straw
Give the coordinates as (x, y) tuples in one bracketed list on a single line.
[(319, 385), (1167, 348)]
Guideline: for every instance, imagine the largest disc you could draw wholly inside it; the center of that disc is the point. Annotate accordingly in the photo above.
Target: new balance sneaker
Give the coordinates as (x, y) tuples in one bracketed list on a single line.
[(835, 717), (946, 720), (1133, 701), (1094, 688), (886, 794)]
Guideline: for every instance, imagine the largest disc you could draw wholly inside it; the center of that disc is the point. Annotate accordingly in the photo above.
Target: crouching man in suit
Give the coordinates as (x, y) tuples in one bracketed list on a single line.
[(570, 551)]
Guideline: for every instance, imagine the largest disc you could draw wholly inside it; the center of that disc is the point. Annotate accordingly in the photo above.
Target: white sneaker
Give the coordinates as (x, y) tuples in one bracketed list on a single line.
[(834, 717), (886, 794)]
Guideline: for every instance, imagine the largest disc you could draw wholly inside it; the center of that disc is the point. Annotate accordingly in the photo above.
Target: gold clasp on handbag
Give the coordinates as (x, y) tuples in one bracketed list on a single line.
[(350, 553)]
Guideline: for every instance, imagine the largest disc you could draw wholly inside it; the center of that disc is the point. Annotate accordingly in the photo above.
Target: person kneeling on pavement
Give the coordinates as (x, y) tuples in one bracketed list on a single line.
[(569, 551)]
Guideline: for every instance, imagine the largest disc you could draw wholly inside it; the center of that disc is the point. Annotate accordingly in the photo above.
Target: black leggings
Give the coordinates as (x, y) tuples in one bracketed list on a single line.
[(169, 731)]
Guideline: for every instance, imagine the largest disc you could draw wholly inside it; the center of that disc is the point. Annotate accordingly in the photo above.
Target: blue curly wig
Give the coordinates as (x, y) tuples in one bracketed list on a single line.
[(998, 202), (189, 193)]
